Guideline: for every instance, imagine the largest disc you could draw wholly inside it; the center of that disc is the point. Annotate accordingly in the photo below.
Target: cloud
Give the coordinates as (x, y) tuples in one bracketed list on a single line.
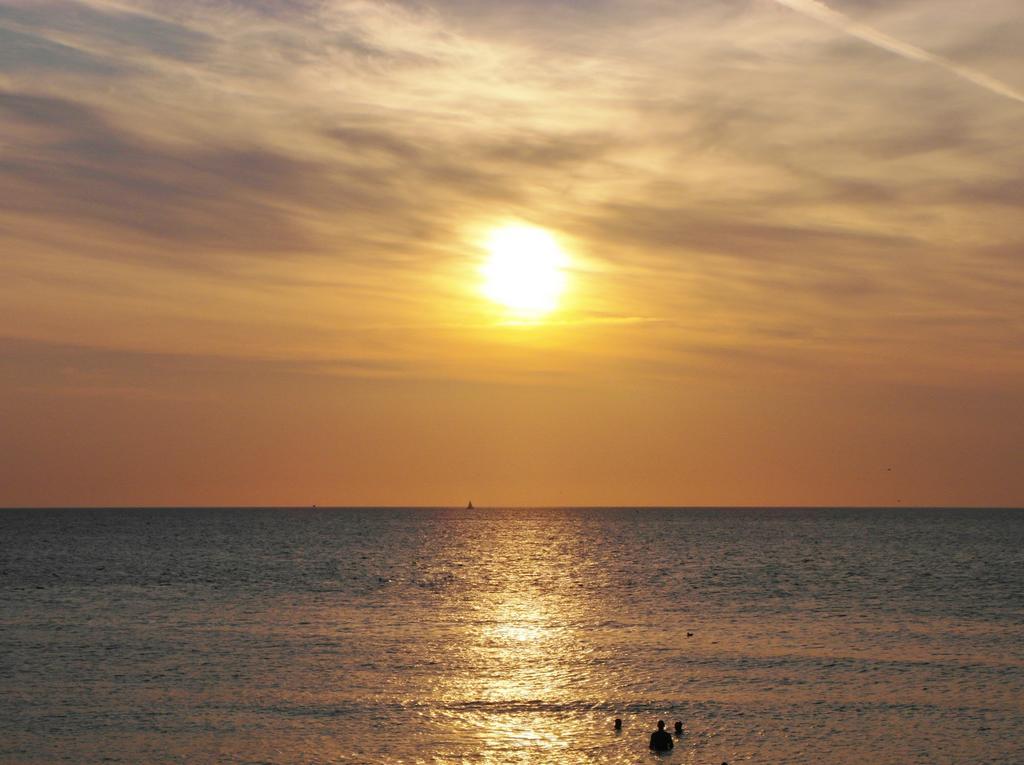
[(90, 370), (78, 165), (20, 52), (833, 18), (685, 232), (311, 169), (60, 24)]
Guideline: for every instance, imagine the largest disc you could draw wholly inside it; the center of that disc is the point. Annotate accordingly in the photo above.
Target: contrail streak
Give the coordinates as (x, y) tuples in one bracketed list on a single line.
[(818, 10)]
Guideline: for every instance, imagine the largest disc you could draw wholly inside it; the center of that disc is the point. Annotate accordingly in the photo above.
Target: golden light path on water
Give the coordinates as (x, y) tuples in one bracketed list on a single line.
[(522, 651)]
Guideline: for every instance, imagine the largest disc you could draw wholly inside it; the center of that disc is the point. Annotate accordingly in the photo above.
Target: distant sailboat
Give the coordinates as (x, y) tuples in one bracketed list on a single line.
[(470, 505)]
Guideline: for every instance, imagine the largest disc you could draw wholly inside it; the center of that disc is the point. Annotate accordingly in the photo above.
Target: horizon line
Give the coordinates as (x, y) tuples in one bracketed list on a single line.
[(515, 507)]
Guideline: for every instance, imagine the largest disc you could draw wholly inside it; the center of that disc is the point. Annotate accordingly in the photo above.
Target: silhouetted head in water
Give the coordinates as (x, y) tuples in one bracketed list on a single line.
[(618, 724), (679, 728), (661, 725)]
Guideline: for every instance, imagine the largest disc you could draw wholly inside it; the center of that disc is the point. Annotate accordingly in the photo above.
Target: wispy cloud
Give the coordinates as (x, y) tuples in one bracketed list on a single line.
[(306, 172), (827, 15)]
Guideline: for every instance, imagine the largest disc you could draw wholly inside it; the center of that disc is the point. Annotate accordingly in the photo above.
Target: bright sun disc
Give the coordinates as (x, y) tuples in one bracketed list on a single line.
[(524, 270)]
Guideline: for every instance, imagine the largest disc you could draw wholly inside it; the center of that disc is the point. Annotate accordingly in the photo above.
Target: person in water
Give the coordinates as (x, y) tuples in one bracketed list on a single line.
[(661, 740)]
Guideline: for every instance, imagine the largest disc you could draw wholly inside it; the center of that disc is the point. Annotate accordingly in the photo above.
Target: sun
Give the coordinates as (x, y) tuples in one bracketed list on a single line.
[(524, 270)]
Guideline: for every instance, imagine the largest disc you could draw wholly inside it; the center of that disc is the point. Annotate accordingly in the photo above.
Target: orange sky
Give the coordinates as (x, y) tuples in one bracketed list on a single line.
[(240, 252)]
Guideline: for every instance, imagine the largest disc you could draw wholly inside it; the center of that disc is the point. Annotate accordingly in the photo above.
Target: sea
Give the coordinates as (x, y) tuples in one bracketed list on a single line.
[(514, 635)]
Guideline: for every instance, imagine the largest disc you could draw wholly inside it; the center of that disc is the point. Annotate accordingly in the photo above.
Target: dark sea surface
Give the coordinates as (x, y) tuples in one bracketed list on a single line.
[(511, 636)]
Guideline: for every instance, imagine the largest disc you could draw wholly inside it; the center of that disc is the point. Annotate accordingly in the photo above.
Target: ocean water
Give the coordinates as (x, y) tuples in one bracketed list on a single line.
[(511, 636)]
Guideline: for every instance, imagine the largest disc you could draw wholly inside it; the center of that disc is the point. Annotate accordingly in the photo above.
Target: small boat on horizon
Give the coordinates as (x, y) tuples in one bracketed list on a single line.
[(470, 505)]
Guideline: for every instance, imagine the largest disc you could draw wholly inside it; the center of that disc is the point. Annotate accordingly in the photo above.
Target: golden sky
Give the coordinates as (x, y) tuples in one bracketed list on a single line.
[(242, 242)]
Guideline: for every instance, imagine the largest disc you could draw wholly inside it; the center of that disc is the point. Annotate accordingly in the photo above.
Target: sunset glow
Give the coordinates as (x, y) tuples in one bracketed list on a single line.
[(627, 252)]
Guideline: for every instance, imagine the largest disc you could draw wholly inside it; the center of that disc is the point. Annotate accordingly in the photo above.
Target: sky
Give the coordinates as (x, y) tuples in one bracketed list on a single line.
[(241, 245)]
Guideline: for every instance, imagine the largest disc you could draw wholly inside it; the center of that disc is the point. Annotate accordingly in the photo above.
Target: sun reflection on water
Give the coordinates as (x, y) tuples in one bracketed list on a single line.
[(517, 632), (519, 653)]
